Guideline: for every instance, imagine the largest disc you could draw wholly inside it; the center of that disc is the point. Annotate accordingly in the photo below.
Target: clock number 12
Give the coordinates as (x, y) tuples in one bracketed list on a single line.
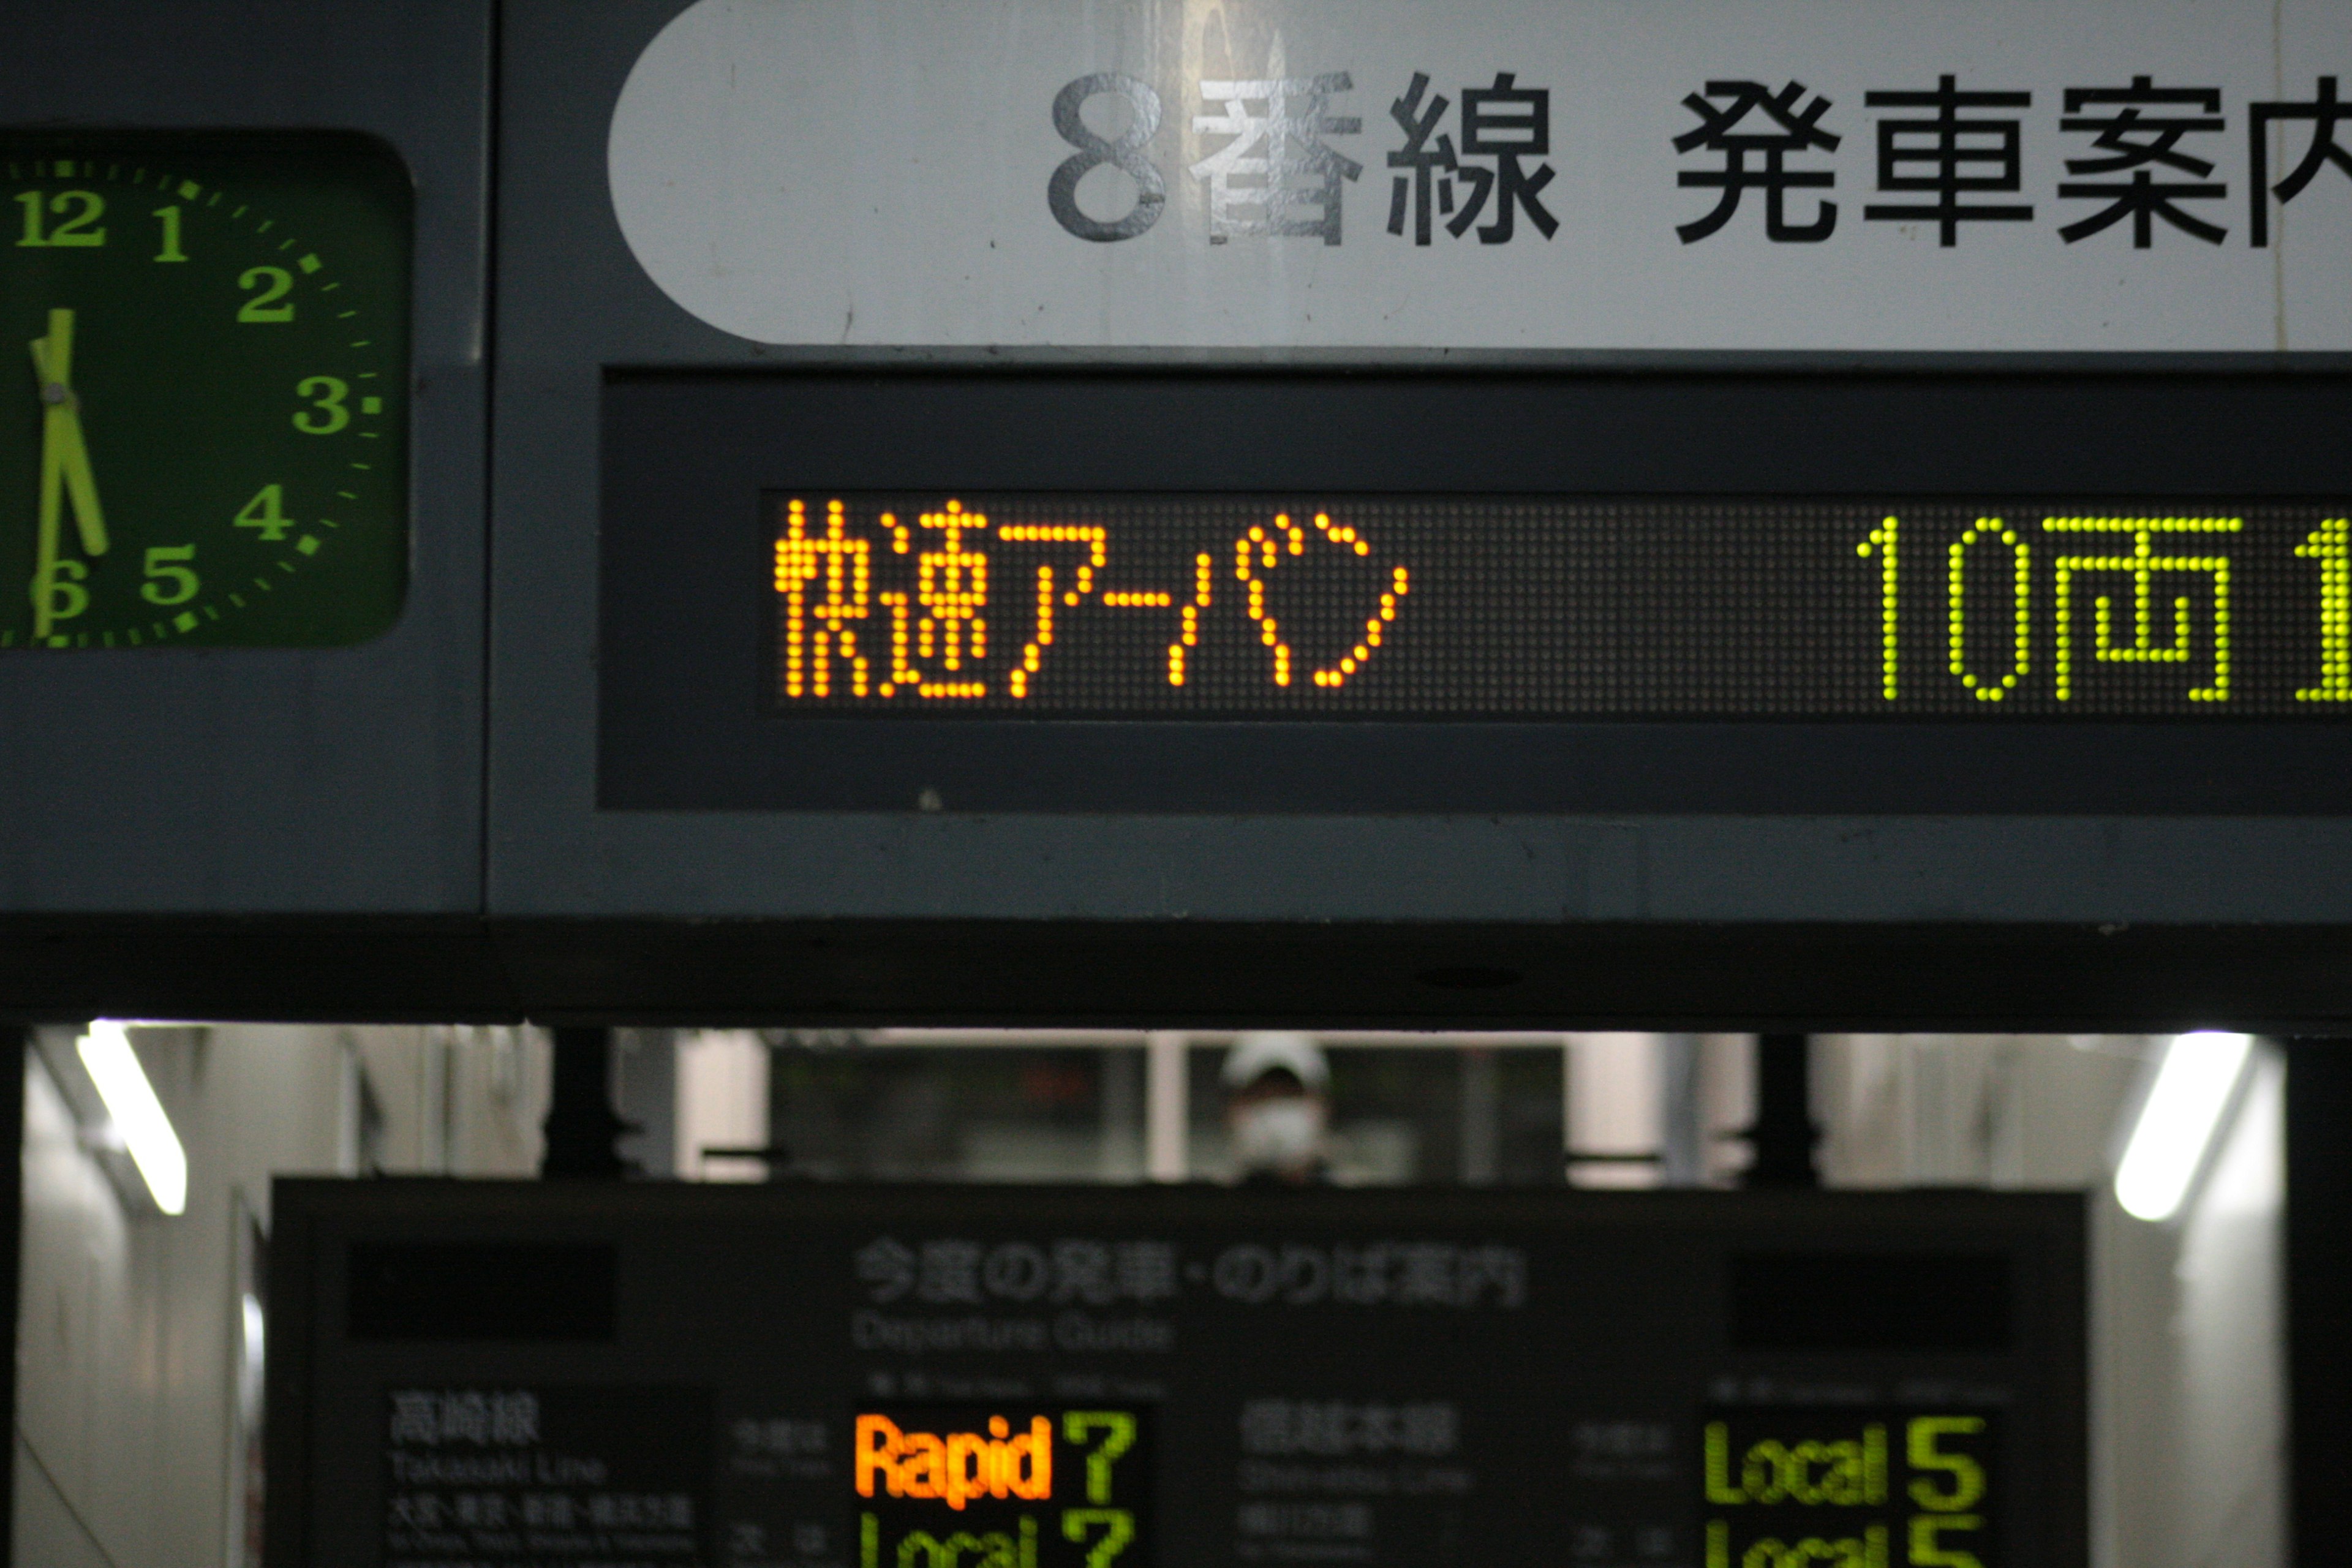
[(80, 209)]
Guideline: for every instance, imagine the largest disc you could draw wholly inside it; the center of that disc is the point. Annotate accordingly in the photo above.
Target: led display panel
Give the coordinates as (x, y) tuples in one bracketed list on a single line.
[(821, 1377), (1183, 589), (1333, 606)]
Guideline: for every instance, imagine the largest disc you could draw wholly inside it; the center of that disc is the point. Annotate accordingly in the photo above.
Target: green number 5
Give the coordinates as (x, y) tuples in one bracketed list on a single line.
[(167, 583), (1967, 1476), (326, 414), (1927, 1549)]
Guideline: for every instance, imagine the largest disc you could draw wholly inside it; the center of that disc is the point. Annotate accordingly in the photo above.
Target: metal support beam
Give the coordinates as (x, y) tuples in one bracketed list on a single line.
[(1167, 1110), (582, 1132), (1784, 1135), (13, 1056), (2318, 1293)]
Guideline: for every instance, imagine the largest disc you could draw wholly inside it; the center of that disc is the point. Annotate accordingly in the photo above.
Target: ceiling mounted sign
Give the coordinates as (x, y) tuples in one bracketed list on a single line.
[(2145, 175)]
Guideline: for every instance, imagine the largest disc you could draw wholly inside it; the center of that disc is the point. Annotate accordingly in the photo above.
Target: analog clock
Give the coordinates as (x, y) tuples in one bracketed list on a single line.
[(206, 442)]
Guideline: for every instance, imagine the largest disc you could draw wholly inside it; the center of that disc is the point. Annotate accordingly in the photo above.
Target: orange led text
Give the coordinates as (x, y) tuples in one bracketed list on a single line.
[(955, 1467)]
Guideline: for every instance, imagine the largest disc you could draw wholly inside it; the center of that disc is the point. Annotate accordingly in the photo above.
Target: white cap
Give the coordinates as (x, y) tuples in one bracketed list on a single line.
[(1262, 1051)]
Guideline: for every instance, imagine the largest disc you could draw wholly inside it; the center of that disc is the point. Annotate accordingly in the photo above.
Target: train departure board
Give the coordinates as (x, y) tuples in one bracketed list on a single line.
[(1336, 606), (1183, 589), (465, 1375)]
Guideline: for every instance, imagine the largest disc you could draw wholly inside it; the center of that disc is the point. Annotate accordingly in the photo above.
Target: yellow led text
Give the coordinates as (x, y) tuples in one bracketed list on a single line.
[(1853, 1472), (1992, 688), (1867, 1549), (1341, 534), (2144, 645), (942, 617), (1882, 542), (1188, 633), (1267, 548), (827, 582), (1082, 584), (1260, 549), (2330, 544), (951, 591), (1848, 1473), (1966, 1483)]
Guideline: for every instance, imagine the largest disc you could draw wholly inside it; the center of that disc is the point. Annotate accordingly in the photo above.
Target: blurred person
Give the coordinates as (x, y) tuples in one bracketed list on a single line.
[(1276, 1110)]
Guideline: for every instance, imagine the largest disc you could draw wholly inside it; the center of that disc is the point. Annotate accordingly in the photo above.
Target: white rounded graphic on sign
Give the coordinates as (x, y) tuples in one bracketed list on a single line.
[(1541, 175)]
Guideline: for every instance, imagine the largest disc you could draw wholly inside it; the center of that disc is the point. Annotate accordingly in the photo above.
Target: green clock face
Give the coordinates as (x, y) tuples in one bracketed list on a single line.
[(207, 439)]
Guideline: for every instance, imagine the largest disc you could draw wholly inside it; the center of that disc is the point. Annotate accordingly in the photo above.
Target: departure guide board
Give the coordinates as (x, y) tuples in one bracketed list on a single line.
[(1330, 606), (816, 1376)]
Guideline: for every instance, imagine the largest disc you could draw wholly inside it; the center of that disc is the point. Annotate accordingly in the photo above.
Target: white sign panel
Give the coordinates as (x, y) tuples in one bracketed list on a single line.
[(1817, 175)]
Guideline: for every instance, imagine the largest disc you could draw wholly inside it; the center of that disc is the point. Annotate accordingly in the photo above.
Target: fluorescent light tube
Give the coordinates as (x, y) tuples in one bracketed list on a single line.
[(138, 1115), (2176, 1122)]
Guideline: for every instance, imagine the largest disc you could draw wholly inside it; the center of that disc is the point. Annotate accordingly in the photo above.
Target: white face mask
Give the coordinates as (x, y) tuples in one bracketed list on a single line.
[(1278, 1134)]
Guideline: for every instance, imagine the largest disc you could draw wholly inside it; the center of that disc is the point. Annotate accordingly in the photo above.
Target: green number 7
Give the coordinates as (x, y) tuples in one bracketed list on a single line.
[(1118, 1436), (1117, 1530)]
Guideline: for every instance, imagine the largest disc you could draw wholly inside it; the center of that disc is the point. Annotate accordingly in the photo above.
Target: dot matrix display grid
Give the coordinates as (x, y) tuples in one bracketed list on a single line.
[(937, 604)]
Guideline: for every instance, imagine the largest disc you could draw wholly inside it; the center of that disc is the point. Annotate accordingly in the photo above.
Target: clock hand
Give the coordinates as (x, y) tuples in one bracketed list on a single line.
[(45, 565), (65, 469), (81, 486), (64, 411)]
